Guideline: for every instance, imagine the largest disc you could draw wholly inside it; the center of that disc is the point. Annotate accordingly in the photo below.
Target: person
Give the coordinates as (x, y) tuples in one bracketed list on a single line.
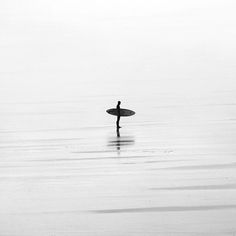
[(118, 115)]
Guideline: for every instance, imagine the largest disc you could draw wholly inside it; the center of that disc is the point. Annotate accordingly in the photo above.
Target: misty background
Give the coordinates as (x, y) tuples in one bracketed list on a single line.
[(53, 51)]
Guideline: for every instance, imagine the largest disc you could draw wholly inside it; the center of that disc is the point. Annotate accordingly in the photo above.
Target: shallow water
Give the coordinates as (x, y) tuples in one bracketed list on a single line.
[(64, 171)]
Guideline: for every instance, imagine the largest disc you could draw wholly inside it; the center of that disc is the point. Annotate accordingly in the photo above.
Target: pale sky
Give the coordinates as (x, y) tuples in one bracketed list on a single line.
[(50, 47)]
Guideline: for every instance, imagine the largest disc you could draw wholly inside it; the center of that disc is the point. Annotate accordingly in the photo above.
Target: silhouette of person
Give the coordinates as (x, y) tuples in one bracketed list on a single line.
[(118, 115), (117, 132)]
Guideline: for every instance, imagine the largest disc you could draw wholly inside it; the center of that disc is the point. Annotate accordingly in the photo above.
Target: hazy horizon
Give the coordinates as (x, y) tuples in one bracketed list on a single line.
[(51, 50)]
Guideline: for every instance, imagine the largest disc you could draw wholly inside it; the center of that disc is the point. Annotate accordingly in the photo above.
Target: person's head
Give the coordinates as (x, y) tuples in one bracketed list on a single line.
[(119, 102)]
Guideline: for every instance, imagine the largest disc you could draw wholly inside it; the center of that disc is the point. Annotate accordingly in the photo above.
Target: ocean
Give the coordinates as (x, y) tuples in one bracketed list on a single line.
[(64, 170)]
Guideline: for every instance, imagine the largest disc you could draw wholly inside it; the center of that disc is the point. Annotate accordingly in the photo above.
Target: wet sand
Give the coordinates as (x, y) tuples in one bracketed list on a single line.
[(65, 172)]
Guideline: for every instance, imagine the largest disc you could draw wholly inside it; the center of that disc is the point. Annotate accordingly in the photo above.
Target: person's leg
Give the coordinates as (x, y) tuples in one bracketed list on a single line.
[(118, 132), (118, 122)]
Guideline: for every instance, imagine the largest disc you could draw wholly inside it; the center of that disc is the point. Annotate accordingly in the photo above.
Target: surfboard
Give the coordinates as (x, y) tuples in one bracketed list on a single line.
[(123, 112)]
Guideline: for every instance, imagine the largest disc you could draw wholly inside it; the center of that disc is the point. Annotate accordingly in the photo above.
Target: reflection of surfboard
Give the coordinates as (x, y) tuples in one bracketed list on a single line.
[(123, 112)]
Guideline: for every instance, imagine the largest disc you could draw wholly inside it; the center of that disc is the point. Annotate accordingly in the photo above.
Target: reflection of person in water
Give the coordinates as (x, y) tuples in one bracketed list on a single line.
[(118, 115)]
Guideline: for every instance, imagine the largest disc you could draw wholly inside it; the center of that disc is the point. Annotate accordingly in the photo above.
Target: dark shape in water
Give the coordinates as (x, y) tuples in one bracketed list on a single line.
[(120, 141)]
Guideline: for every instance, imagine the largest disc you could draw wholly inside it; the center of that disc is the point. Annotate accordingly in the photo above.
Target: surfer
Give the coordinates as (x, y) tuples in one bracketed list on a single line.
[(118, 115), (118, 112)]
